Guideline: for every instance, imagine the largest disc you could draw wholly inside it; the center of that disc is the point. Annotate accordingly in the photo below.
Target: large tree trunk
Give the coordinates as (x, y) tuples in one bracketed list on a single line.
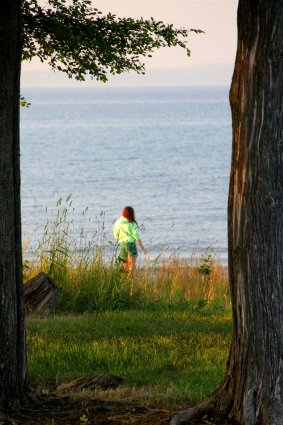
[(252, 390), (12, 333)]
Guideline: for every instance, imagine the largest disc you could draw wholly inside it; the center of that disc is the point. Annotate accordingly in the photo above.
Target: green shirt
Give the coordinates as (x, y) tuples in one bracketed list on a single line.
[(124, 231)]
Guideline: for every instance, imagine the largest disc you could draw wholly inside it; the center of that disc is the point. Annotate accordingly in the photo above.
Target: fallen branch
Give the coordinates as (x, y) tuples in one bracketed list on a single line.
[(104, 381)]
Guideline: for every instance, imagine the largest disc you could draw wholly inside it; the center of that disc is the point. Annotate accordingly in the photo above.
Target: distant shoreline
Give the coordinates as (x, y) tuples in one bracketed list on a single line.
[(202, 75)]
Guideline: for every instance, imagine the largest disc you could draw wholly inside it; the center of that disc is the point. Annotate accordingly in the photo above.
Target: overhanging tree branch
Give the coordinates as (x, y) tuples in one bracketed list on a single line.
[(75, 38)]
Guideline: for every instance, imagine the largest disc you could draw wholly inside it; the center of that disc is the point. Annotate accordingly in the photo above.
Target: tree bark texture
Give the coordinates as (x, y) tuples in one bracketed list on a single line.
[(252, 388), (12, 332)]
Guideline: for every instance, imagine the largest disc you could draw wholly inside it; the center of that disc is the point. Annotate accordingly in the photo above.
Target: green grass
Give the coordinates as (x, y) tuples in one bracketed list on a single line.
[(167, 356), (90, 282), (165, 329), (95, 286)]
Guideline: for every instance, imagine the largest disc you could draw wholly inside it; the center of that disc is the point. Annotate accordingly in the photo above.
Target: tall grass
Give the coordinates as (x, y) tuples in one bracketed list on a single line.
[(91, 282)]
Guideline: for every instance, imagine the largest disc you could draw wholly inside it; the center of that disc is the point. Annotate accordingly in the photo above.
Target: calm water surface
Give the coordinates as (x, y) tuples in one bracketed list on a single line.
[(165, 151)]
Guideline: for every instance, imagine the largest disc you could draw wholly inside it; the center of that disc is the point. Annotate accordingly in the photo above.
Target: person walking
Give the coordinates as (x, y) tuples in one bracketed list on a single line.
[(127, 235)]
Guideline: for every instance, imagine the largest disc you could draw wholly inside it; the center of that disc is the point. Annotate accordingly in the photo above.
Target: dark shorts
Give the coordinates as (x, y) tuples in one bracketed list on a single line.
[(128, 249)]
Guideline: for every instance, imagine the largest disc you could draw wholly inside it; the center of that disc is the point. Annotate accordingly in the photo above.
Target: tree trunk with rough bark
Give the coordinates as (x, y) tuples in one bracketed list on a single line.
[(252, 390), (12, 333)]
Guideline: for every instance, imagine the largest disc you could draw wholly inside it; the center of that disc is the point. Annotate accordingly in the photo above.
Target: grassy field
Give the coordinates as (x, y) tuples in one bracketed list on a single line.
[(91, 282), (165, 329), (168, 357)]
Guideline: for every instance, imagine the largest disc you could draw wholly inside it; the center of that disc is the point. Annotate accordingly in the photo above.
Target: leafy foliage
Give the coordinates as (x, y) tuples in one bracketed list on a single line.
[(75, 38), (24, 103)]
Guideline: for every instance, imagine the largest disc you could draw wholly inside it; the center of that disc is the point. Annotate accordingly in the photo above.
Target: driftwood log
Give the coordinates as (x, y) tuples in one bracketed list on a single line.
[(41, 294), (104, 381)]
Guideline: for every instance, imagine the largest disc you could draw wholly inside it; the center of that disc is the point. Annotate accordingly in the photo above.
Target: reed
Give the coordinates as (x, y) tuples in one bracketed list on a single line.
[(91, 282)]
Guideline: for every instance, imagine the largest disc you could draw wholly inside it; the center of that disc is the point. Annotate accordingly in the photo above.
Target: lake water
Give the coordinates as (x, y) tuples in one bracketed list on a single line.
[(166, 152)]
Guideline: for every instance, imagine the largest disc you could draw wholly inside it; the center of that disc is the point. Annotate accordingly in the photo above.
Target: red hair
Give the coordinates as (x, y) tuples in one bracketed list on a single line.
[(129, 214)]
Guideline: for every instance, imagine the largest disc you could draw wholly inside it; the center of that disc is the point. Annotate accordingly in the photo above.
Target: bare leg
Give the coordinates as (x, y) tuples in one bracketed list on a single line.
[(126, 266), (132, 263)]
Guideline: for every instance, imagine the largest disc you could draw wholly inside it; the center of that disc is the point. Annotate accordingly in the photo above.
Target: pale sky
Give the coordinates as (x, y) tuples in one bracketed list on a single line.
[(216, 17)]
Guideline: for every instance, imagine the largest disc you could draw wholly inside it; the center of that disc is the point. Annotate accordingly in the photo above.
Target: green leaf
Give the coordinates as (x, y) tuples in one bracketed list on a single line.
[(75, 38)]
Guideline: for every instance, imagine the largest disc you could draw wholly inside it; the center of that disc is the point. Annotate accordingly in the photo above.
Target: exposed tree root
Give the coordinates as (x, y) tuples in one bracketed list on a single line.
[(32, 397), (68, 411), (197, 412), (3, 418)]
